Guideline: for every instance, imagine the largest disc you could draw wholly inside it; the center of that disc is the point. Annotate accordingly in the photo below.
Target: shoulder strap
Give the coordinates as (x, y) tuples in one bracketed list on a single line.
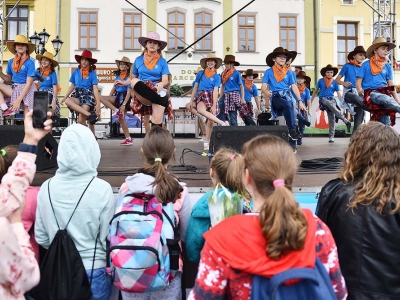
[(168, 218), (51, 203), (78, 203)]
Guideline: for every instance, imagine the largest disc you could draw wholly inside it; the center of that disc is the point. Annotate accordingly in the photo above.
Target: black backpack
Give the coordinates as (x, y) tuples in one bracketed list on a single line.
[(62, 273)]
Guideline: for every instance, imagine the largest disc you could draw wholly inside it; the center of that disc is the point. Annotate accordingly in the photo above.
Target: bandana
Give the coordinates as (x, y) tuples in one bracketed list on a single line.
[(248, 84), (45, 71), (328, 81), (354, 62), (226, 74), (19, 61), (85, 72), (210, 72), (279, 72), (123, 74), (151, 59), (377, 64)]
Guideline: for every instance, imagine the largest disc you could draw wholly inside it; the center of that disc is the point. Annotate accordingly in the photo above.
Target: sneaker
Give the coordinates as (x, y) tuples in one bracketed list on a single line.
[(203, 139), (126, 142), (119, 114), (294, 135), (8, 112), (206, 146), (331, 140), (299, 142), (294, 150), (348, 126), (92, 119), (224, 123)]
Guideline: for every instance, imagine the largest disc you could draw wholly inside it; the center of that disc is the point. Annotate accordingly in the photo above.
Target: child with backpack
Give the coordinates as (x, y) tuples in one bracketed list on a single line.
[(150, 219), (255, 255), (225, 168)]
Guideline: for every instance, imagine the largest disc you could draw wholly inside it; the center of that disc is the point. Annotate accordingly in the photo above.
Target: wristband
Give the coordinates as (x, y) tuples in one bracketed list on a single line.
[(27, 148)]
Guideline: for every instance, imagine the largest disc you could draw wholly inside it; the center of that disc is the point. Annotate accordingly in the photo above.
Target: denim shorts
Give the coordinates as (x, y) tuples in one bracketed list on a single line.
[(101, 284)]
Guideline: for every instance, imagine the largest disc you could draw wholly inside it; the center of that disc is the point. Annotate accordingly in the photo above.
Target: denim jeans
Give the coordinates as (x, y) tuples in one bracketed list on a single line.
[(248, 120), (332, 111), (355, 99), (232, 115), (286, 106), (101, 284)]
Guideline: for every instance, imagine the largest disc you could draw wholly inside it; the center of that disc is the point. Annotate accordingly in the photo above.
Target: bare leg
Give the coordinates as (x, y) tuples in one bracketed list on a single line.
[(201, 108), (108, 101), (210, 126), (146, 121), (73, 103), (124, 126), (200, 121), (91, 127), (5, 91), (158, 113)]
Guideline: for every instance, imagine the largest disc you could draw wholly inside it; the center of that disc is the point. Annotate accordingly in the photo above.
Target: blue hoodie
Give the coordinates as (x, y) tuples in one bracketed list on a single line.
[(78, 159)]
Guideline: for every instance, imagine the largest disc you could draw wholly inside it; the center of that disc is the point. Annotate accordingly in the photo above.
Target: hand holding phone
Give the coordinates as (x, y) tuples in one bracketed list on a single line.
[(40, 105)]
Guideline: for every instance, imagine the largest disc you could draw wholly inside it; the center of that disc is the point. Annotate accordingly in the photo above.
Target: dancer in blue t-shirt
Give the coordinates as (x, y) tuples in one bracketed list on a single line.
[(250, 90)]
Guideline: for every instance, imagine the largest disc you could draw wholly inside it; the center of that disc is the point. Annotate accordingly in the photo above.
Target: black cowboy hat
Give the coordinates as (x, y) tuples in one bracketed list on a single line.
[(250, 72), (275, 53), (303, 74), (329, 68), (358, 49), (230, 59)]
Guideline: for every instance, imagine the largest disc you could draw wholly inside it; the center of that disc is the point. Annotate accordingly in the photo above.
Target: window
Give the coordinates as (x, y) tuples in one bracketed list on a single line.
[(346, 40), (132, 31), (88, 30), (203, 24), (288, 32), (176, 25), (17, 22), (247, 33)]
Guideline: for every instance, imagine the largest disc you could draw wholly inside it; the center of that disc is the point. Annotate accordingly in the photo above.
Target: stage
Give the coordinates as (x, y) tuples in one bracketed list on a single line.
[(117, 162)]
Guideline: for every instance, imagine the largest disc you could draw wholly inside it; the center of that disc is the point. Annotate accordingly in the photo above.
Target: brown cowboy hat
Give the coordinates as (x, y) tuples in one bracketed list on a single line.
[(125, 60), (49, 56), (20, 39), (198, 70), (294, 54), (303, 74), (203, 61), (250, 72), (358, 49), (329, 68), (230, 59), (380, 41), (275, 53), (86, 54), (153, 36)]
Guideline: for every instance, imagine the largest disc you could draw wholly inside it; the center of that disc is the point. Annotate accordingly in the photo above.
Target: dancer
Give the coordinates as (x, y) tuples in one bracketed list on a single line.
[(232, 91), (204, 97), (20, 71), (351, 100), (375, 82), (149, 82), (250, 90), (327, 100), (277, 82), (48, 81), (304, 116), (83, 95), (119, 99)]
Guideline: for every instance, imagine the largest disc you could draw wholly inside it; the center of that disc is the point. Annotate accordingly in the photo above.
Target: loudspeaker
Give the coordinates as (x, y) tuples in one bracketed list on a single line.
[(235, 137), (46, 151)]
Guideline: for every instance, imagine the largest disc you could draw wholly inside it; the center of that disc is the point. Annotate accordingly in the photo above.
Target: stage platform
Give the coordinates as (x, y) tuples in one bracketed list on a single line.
[(117, 162)]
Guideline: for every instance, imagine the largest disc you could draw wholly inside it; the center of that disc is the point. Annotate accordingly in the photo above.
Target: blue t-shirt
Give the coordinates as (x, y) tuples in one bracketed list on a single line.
[(349, 72), (27, 70), (79, 82), (327, 92), (233, 83), (121, 89), (48, 81), (282, 85), (140, 70), (371, 81), (305, 96), (250, 93), (207, 84)]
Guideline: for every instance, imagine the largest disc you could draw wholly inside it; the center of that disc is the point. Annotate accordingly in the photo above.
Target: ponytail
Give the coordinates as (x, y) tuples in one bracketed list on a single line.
[(7, 156)]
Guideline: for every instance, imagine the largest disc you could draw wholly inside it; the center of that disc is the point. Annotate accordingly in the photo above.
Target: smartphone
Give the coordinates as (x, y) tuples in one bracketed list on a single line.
[(40, 105)]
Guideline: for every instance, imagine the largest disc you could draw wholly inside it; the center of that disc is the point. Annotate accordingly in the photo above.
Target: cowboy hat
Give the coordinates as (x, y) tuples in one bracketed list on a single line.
[(198, 70), (358, 49), (329, 68), (294, 54), (49, 56), (85, 54), (380, 41), (125, 60), (20, 39), (203, 61), (275, 53), (249, 72), (153, 36), (303, 74), (230, 59)]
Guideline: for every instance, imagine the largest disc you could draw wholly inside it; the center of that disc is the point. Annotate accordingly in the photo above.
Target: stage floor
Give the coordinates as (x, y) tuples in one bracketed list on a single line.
[(117, 162)]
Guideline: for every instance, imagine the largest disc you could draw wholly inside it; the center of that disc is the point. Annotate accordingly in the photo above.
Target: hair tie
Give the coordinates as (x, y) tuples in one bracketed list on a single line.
[(3, 152), (278, 182), (157, 159), (233, 156)]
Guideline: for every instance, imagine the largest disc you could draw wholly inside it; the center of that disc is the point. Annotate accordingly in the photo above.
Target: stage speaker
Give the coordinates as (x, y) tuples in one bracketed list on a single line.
[(46, 151), (235, 137)]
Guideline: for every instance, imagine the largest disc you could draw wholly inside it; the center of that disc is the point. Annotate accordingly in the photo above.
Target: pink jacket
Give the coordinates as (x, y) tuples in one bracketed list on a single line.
[(19, 270), (29, 216)]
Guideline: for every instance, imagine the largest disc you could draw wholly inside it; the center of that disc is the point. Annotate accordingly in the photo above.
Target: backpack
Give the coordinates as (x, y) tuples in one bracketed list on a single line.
[(62, 273), (314, 284), (141, 257)]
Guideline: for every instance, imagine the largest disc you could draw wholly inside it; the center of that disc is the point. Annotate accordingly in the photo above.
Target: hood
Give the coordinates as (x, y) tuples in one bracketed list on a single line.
[(143, 184), (78, 152), (239, 242)]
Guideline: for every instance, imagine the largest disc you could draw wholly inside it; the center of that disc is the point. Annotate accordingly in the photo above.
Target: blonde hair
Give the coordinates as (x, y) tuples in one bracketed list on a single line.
[(284, 226), (158, 143), (6, 160), (373, 159), (228, 166)]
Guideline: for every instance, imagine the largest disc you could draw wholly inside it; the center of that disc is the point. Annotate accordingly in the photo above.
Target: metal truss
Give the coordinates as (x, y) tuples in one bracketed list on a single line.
[(383, 17)]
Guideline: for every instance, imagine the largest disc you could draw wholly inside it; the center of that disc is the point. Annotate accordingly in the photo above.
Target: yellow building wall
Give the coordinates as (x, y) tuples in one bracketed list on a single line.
[(309, 37), (64, 54), (152, 12), (228, 27)]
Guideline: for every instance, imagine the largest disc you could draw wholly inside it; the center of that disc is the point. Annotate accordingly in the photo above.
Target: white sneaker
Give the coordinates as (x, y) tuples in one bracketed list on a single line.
[(206, 146), (331, 140), (203, 139)]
